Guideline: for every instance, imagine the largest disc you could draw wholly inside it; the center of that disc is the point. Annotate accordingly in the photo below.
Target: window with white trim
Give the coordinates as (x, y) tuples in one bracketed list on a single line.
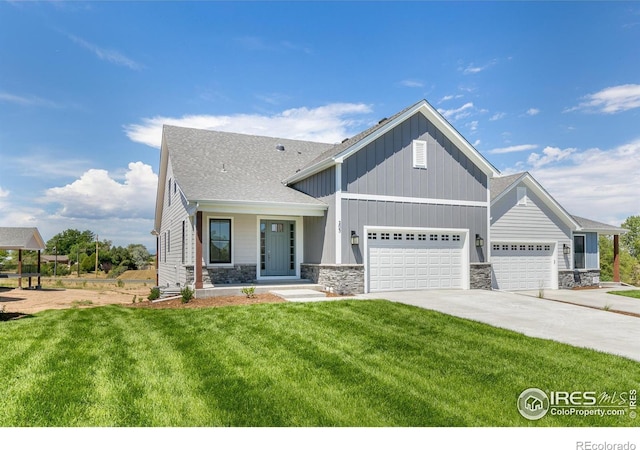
[(220, 241), (419, 154)]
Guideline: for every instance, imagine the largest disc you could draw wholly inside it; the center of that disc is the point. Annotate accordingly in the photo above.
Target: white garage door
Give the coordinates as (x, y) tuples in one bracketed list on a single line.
[(522, 266), (400, 259)]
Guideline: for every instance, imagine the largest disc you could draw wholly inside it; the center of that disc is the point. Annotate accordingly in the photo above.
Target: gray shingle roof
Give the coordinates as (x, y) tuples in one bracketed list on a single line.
[(16, 238), (219, 166), (602, 228), (500, 184)]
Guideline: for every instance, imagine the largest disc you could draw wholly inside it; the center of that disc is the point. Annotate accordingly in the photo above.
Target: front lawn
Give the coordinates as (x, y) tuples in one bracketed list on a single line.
[(630, 293), (346, 363)]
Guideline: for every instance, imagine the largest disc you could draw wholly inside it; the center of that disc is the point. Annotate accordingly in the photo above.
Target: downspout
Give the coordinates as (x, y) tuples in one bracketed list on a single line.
[(197, 264)]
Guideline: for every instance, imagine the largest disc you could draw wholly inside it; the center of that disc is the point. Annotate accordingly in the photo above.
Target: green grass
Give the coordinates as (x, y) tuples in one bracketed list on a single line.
[(349, 363), (630, 293)]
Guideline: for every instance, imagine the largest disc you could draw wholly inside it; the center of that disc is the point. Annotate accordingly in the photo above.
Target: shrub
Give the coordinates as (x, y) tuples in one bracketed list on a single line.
[(154, 294), (120, 283), (187, 294), (117, 271), (250, 291)]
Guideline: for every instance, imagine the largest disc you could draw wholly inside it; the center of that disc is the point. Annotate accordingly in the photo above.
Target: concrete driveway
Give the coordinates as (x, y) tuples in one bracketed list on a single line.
[(594, 298), (575, 325)]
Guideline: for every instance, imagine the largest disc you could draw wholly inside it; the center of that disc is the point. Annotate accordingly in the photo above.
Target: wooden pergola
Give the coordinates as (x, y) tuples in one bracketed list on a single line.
[(21, 239)]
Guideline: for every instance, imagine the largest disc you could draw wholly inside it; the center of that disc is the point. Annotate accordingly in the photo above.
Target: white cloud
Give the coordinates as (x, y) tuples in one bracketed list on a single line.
[(473, 126), (111, 56), (43, 163), (3, 193), (598, 184), (497, 116), (412, 83), (30, 100), (97, 195), (457, 113), (513, 149), (533, 111), (611, 100), (474, 68), (549, 155), (330, 123)]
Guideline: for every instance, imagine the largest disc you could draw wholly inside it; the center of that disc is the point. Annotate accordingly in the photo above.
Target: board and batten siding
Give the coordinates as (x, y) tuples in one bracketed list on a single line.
[(356, 214), (171, 269), (319, 232), (385, 166), (534, 221)]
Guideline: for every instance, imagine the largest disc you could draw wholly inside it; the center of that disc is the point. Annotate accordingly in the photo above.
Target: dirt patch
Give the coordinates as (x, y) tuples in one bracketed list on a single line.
[(210, 302), (29, 301), (17, 302)]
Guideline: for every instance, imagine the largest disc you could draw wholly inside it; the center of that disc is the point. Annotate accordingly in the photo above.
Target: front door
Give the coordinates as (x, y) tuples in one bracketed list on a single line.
[(277, 248)]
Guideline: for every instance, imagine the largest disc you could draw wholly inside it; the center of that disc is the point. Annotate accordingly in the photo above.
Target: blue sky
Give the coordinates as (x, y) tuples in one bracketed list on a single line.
[(549, 87)]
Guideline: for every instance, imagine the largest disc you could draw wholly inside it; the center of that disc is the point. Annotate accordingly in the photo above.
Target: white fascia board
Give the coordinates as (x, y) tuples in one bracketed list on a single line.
[(162, 175), (441, 123), (262, 208), (414, 200), (605, 231), (318, 167)]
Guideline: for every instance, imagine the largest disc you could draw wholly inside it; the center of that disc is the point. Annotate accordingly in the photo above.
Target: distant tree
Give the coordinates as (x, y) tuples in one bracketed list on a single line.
[(631, 240), (629, 266), (88, 263), (139, 255), (66, 240)]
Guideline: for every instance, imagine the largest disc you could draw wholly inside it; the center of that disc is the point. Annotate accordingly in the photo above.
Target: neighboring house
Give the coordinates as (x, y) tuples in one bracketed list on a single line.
[(402, 205), (536, 243)]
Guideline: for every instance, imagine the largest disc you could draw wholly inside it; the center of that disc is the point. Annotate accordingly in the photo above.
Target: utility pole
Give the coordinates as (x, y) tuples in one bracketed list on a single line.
[(96, 272)]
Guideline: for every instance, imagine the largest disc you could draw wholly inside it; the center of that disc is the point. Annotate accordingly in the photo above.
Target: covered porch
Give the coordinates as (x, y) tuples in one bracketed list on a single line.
[(581, 244), (22, 240), (240, 244)]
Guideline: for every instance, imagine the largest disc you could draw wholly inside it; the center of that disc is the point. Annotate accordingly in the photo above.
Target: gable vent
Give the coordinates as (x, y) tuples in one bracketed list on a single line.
[(420, 154), (280, 147)]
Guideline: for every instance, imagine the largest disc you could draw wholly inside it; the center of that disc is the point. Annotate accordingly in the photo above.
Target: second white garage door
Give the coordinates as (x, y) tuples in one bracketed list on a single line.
[(402, 260), (523, 266)]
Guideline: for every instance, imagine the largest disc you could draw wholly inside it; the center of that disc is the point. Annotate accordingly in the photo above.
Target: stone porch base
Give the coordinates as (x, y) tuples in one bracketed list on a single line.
[(342, 279), (569, 279)]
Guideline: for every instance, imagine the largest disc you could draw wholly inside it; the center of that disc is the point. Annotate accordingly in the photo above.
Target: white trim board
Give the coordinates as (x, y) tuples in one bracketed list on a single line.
[(414, 200)]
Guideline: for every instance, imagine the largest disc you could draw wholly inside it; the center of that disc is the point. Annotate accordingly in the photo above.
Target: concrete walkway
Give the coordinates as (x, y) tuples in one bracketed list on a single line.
[(575, 325)]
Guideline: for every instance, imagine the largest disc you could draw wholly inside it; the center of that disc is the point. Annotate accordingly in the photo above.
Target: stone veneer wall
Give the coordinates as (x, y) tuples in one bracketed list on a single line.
[(480, 276), (569, 279), (343, 279), (240, 273)]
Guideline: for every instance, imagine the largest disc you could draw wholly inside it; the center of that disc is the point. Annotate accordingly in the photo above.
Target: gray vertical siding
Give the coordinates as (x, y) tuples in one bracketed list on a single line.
[(385, 166), (319, 232), (358, 213)]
